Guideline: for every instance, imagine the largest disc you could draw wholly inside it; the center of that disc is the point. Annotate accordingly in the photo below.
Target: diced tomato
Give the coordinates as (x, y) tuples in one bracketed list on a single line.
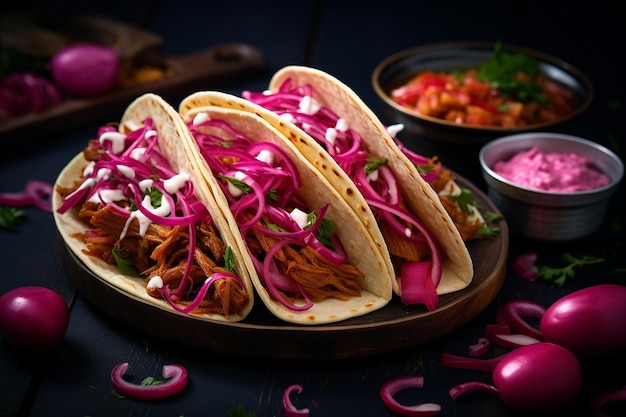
[(455, 99)]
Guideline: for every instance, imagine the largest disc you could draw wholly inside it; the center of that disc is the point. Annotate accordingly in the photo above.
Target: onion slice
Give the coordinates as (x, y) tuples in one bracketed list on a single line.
[(480, 348), (599, 401), (461, 362), (393, 386), (36, 193), (514, 312), (524, 265), (176, 376), (290, 409), (514, 340)]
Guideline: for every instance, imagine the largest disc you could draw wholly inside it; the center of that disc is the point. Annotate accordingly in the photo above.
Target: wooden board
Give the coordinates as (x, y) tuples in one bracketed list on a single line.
[(261, 335), (206, 69)]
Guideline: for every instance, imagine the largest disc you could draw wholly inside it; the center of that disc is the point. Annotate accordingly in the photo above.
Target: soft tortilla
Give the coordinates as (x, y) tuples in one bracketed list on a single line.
[(172, 131), (362, 250), (420, 197)]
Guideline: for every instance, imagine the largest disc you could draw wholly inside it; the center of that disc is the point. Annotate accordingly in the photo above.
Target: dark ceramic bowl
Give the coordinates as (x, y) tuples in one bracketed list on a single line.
[(457, 145)]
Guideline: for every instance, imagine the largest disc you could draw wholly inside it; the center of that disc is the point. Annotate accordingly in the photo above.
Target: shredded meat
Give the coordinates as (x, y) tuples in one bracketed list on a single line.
[(163, 251), (319, 278), (467, 227)]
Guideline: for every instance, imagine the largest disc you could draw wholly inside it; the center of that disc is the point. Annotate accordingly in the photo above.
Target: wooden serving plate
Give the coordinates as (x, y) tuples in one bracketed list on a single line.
[(206, 69), (261, 335)]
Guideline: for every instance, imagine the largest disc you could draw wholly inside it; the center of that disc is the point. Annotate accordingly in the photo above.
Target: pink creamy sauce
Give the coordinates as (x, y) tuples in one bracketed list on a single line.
[(559, 172)]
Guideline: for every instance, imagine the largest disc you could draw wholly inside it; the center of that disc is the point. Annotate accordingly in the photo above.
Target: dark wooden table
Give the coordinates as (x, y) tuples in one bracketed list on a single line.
[(346, 39)]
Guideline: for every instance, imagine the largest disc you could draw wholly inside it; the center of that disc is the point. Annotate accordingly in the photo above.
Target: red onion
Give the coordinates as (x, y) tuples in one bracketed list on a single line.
[(524, 265), (86, 69), (538, 376), (480, 348), (601, 401), (290, 409), (589, 322), (514, 313), (513, 340), (393, 386), (25, 92), (33, 317), (176, 380), (462, 362)]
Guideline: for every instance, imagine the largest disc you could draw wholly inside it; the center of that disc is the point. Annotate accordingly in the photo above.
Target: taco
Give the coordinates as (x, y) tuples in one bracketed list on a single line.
[(312, 260), (426, 249), (133, 209)]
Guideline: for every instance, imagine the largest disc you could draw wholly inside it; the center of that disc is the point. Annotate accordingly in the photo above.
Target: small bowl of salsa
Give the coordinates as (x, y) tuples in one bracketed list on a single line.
[(550, 186), (452, 98)]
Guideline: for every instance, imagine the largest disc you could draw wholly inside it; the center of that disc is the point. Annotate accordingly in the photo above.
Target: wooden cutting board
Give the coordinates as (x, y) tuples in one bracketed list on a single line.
[(39, 38)]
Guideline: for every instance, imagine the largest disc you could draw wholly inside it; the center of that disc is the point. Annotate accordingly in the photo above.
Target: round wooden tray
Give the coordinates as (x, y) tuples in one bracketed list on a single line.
[(261, 335)]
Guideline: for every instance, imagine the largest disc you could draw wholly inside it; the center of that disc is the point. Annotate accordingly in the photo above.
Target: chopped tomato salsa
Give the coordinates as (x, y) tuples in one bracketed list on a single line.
[(463, 98)]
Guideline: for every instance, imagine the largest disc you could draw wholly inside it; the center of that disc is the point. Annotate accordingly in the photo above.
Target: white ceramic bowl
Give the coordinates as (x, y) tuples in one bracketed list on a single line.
[(547, 215)]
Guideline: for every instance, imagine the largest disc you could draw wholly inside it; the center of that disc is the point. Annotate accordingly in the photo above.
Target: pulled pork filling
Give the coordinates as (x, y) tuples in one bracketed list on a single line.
[(318, 278), (154, 250), (261, 185)]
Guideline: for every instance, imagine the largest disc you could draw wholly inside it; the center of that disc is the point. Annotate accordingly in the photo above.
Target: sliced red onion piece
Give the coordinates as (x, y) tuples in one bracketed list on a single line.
[(493, 329), (514, 312), (176, 380), (600, 401), (524, 265), (290, 409), (513, 340), (171, 298), (393, 386), (36, 193), (462, 362), (417, 285), (480, 348), (473, 386)]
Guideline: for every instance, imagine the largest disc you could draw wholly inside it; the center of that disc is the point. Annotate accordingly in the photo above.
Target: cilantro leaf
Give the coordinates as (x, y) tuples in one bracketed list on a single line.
[(373, 164), (10, 216), (229, 259), (123, 261), (464, 200), (239, 411), (325, 230), (503, 71), (558, 276), (488, 231), (271, 196)]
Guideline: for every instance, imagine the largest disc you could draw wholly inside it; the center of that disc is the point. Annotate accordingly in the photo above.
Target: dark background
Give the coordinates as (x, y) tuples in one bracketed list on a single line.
[(346, 39)]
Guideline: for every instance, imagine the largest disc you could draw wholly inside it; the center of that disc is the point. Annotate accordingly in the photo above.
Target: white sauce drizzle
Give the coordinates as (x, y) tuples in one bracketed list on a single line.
[(234, 190), (116, 138), (126, 171), (393, 130), (288, 117), (176, 182), (107, 196), (331, 135), (201, 118), (342, 125), (138, 154), (266, 156), (155, 282), (145, 184)]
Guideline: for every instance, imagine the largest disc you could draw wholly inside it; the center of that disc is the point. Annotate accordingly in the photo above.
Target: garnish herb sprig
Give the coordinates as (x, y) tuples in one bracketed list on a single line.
[(503, 72)]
